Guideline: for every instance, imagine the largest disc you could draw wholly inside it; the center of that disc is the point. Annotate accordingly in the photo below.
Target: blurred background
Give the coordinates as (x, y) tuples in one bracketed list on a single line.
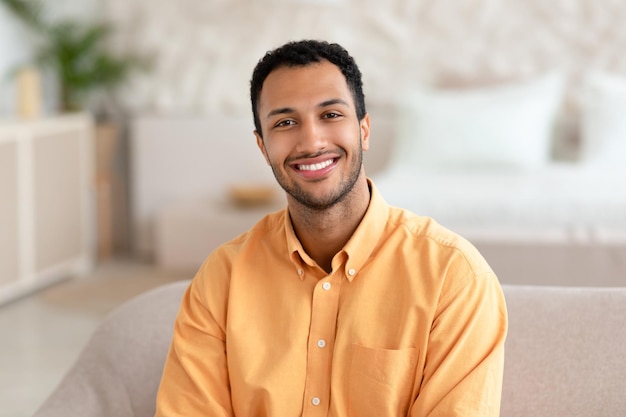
[(127, 154)]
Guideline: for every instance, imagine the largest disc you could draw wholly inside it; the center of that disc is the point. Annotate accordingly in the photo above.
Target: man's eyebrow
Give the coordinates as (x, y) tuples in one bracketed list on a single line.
[(325, 103), (332, 102), (282, 110)]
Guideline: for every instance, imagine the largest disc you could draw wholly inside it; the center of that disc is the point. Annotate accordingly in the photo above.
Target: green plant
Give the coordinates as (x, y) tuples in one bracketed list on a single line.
[(77, 54)]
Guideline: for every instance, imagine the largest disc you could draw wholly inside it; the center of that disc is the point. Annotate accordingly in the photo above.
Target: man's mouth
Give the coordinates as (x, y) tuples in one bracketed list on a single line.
[(314, 167)]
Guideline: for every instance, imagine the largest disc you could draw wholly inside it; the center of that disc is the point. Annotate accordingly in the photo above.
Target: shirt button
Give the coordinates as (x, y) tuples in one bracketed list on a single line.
[(351, 272), (326, 286), (315, 401), (321, 343)]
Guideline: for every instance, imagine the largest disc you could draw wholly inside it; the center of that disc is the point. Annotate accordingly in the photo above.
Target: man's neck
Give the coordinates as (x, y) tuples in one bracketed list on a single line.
[(323, 233)]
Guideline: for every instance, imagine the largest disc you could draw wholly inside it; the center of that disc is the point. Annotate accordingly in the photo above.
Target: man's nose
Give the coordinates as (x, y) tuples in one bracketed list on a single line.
[(312, 137)]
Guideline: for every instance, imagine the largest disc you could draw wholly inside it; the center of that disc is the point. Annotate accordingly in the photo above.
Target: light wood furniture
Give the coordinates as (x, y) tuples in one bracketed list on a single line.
[(46, 193), (110, 191)]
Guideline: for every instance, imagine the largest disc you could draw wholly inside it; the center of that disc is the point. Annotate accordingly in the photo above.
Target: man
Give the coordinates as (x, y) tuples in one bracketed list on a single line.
[(340, 305)]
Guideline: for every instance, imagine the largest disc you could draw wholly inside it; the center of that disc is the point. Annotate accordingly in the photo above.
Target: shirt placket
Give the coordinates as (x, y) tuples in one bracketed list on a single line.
[(321, 345)]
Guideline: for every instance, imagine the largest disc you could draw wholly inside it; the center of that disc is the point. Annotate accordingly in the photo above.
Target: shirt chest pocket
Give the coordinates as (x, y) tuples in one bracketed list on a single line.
[(381, 381)]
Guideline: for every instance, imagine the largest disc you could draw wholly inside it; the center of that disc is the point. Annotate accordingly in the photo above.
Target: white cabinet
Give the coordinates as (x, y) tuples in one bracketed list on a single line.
[(46, 202)]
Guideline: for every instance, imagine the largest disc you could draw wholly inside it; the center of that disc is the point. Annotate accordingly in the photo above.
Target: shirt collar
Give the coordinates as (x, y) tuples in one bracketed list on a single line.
[(361, 244), (296, 251), (367, 235)]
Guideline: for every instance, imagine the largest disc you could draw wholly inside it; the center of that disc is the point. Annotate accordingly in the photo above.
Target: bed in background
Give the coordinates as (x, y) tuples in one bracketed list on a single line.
[(534, 184), (494, 163)]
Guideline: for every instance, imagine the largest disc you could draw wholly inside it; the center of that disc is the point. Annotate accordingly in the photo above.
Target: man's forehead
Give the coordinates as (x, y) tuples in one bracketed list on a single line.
[(318, 77)]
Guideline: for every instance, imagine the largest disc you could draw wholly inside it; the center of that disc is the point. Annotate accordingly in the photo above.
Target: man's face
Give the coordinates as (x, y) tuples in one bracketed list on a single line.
[(312, 137)]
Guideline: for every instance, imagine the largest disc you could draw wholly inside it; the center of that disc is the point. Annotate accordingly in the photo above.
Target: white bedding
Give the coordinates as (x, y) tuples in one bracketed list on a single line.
[(479, 161), (560, 202)]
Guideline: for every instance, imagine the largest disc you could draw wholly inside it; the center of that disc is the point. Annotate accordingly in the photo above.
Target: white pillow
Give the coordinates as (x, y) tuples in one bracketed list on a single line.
[(603, 120), (503, 127)]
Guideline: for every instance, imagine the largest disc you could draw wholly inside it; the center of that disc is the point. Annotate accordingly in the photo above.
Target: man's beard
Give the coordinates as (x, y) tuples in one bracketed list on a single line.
[(325, 202)]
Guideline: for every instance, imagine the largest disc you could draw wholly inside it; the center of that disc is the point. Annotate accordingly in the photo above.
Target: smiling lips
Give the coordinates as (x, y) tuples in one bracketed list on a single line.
[(314, 167)]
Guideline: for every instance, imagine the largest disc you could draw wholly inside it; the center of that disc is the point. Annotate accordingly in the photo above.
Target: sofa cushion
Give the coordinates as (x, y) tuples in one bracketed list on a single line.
[(565, 355), (119, 370), (565, 352)]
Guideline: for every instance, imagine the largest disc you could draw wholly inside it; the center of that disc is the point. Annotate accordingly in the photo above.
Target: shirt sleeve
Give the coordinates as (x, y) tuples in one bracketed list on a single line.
[(465, 358), (195, 377)]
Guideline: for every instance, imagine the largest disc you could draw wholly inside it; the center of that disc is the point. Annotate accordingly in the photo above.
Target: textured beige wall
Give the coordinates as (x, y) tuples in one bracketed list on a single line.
[(205, 50)]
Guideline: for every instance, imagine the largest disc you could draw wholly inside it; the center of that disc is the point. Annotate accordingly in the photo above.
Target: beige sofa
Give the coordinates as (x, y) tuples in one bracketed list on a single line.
[(565, 355)]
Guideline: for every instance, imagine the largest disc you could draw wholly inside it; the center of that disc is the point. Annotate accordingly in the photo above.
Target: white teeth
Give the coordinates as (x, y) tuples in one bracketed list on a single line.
[(315, 167)]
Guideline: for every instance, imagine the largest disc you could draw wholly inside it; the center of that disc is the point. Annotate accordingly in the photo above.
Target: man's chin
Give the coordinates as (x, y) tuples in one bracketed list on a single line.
[(320, 197), (318, 203)]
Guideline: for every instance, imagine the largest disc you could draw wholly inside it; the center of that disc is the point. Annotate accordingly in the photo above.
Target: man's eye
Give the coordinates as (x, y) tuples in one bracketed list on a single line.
[(285, 123), (331, 115)]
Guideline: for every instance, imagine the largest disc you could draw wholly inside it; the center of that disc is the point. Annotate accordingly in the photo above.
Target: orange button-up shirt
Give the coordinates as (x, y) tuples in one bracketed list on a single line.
[(410, 322)]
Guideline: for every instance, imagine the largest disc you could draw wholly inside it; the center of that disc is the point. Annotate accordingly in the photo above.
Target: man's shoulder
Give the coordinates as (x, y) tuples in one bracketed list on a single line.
[(422, 227), (266, 233), (441, 242), (269, 228)]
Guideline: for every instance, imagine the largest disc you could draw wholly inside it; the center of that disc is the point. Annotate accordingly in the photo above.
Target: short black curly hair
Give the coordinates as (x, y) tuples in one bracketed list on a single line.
[(303, 53)]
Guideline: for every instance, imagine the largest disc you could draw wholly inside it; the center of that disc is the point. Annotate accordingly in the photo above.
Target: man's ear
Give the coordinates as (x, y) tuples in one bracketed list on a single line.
[(261, 145), (365, 132)]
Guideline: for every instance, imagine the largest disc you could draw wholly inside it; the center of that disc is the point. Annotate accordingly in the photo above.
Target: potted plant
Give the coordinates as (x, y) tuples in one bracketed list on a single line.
[(76, 53)]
